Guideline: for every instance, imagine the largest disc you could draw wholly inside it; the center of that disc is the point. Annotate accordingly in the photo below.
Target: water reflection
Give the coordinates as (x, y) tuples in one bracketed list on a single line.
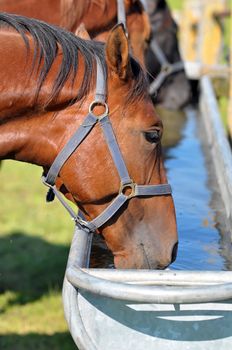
[(221, 223), (200, 245), (173, 122)]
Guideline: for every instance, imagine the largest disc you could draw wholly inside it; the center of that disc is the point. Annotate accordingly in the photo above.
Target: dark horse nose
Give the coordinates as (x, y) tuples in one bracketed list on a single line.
[(174, 252)]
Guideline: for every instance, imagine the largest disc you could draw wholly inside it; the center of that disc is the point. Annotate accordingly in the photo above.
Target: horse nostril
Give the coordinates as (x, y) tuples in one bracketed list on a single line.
[(174, 252)]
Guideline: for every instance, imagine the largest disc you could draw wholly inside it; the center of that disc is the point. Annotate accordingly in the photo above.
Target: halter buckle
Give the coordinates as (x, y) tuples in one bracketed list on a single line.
[(44, 181), (83, 224), (99, 103), (125, 186)]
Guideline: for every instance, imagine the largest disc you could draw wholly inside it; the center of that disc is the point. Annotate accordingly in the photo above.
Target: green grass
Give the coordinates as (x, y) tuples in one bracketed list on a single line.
[(176, 4), (34, 244)]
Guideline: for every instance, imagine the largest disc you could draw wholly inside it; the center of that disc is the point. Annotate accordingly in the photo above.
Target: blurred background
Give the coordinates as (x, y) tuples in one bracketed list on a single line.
[(35, 236)]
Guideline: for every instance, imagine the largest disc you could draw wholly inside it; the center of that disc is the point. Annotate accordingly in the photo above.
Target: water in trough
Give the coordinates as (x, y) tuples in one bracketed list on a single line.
[(204, 237)]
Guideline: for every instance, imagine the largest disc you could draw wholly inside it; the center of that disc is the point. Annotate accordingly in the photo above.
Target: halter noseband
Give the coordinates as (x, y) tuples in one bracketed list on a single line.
[(126, 182)]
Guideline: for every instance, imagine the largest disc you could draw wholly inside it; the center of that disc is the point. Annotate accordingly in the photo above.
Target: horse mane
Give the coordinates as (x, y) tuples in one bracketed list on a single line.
[(48, 38)]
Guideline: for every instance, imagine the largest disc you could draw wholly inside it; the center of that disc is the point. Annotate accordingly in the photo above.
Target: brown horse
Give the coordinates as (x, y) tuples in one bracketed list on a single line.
[(98, 16), (169, 84), (48, 79)]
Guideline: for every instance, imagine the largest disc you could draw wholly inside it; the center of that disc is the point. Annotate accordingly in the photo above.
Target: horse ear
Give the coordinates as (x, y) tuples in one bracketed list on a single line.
[(146, 25), (117, 52), (82, 32)]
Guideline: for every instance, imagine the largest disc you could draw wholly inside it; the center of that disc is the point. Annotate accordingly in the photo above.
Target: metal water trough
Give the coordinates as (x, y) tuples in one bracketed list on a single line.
[(144, 309)]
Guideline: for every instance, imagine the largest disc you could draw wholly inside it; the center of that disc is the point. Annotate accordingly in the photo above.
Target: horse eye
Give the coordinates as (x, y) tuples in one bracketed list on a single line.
[(152, 136)]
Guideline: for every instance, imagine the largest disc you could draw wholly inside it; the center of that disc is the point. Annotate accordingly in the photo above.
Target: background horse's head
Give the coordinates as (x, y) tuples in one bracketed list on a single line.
[(139, 29), (38, 120), (99, 17), (173, 92), (131, 13)]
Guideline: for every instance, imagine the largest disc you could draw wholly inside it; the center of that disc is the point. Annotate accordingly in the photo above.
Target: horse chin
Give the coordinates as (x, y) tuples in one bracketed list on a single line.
[(144, 246), (142, 255), (124, 262)]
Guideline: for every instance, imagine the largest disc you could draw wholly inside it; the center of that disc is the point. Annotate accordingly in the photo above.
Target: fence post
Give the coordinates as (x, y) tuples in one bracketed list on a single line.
[(188, 29), (229, 117), (210, 33)]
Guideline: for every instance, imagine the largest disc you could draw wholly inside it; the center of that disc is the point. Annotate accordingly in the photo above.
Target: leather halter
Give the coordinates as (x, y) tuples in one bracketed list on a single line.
[(121, 13), (167, 68), (127, 183)]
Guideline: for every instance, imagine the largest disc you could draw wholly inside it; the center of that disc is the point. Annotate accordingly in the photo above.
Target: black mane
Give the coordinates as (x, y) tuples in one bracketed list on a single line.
[(47, 38)]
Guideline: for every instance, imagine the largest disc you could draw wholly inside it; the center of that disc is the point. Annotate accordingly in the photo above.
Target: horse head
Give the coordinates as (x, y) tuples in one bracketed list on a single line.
[(135, 241), (170, 88), (51, 103), (100, 17)]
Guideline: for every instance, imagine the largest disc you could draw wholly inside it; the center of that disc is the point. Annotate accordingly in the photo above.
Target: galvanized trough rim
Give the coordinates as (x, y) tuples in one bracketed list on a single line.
[(168, 293), (167, 276)]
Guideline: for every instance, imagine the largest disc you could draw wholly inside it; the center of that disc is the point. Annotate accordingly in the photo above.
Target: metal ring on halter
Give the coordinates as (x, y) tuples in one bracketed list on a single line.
[(123, 187), (166, 68), (99, 103)]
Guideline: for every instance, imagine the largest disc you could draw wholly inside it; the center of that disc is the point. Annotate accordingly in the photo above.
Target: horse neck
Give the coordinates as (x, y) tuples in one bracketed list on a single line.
[(95, 14), (46, 10), (30, 132)]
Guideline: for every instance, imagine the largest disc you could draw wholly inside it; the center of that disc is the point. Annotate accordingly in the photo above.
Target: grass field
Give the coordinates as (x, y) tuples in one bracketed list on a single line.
[(34, 244), (175, 4)]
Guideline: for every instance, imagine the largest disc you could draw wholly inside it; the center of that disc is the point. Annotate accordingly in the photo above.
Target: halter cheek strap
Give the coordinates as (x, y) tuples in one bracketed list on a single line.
[(121, 12), (167, 68)]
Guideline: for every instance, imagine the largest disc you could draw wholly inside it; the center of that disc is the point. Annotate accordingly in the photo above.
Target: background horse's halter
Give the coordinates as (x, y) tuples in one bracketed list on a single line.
[(167, 68), (127, 184)]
